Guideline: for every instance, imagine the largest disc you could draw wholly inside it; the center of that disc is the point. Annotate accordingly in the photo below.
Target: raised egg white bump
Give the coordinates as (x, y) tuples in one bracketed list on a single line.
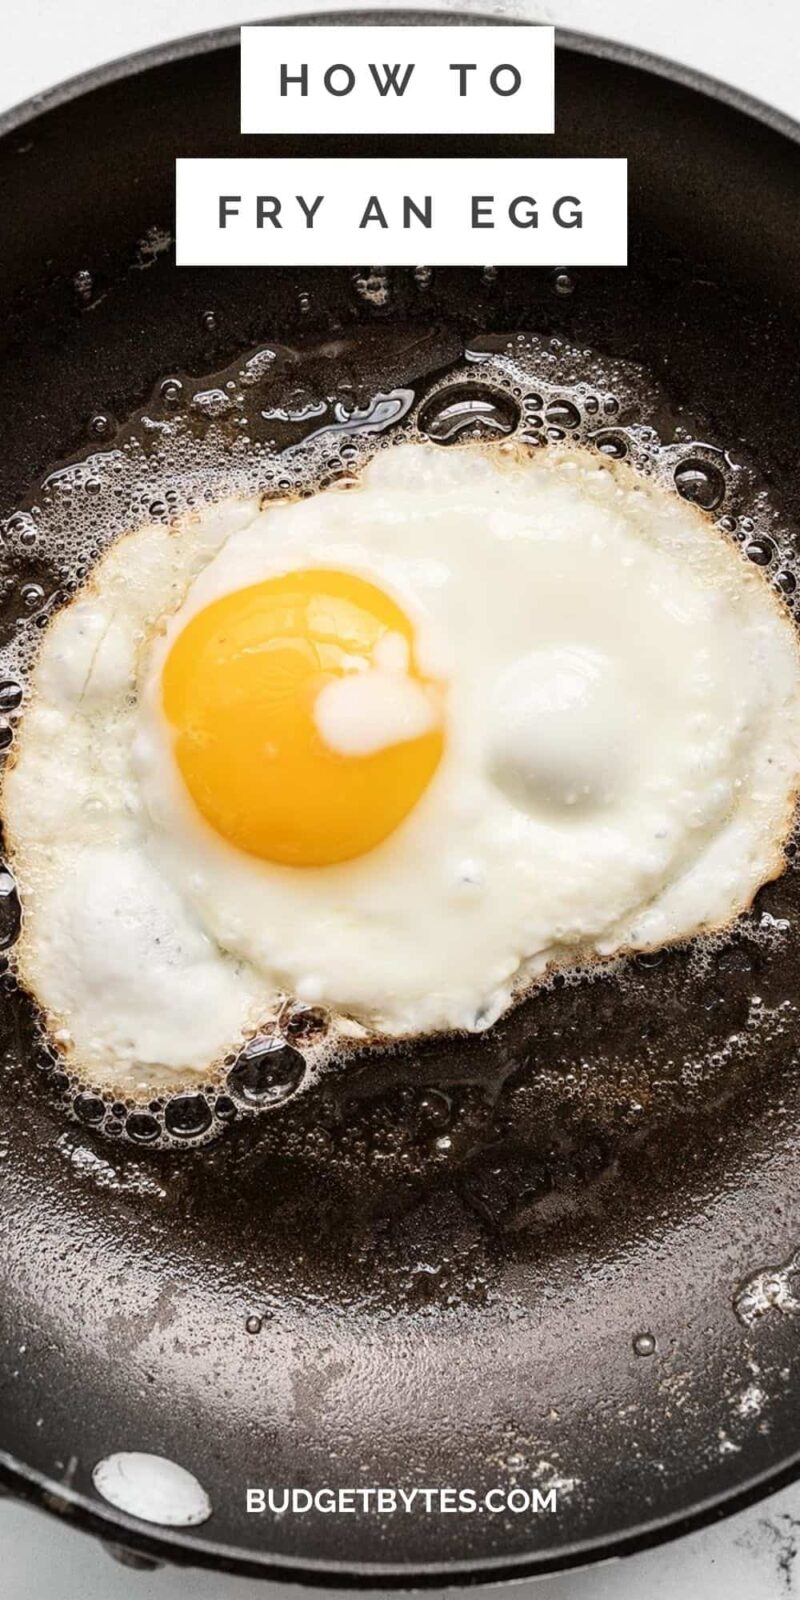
[(563, 729)]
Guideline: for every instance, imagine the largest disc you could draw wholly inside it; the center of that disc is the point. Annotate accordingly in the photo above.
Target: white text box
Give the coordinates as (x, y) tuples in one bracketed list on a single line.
[(397, 80), (302, 212)]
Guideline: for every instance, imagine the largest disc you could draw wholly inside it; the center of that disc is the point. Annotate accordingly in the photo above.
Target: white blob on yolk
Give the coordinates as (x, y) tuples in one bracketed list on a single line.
[(303, 728)]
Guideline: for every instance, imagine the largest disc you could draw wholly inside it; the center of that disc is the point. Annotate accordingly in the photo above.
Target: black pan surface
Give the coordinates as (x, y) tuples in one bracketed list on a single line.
[(519, 1258)]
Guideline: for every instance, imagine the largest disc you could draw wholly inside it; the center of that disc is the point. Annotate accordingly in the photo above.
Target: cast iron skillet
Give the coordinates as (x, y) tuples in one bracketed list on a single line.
[(620, 1162)]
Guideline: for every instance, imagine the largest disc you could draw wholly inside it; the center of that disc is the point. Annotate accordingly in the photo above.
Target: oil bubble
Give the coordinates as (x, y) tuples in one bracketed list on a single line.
[(89, 1108), (644, 1344), (562, 414), (9, 910), (700, 482), (142, 1128), (170, 391), (10, 695), (760, 551), (187, 1116), (469, 411), (612, 444), (267, 1072)]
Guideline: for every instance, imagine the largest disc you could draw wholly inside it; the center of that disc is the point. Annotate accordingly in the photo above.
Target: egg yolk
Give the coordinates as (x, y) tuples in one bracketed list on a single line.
[(239, 688)]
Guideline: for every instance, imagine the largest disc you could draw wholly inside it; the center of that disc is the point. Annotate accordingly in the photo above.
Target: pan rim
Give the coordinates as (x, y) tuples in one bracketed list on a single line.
[(203, 43), (175, 1548), (182, 1549)]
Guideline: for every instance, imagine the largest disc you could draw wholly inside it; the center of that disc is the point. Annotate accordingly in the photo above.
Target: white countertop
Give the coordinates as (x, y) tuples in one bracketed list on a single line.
[(748, 1557)]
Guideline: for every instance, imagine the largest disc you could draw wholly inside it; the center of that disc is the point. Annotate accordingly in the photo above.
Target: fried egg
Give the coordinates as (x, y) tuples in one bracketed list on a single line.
[(396, 751)]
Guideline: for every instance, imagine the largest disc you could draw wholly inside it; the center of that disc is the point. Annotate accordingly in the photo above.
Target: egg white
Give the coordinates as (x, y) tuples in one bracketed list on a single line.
[(133, 989), (621, 762)]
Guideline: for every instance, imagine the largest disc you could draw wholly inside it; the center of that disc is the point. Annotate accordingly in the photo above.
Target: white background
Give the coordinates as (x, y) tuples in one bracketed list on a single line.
[(748, 1557)]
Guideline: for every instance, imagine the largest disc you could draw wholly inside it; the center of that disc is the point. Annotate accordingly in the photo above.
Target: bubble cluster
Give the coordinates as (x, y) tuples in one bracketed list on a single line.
[(270, 1069), (286, 421)]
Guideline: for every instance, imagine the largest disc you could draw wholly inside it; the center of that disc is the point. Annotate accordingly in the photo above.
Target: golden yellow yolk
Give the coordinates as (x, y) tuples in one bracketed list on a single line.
[(239, 687)]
